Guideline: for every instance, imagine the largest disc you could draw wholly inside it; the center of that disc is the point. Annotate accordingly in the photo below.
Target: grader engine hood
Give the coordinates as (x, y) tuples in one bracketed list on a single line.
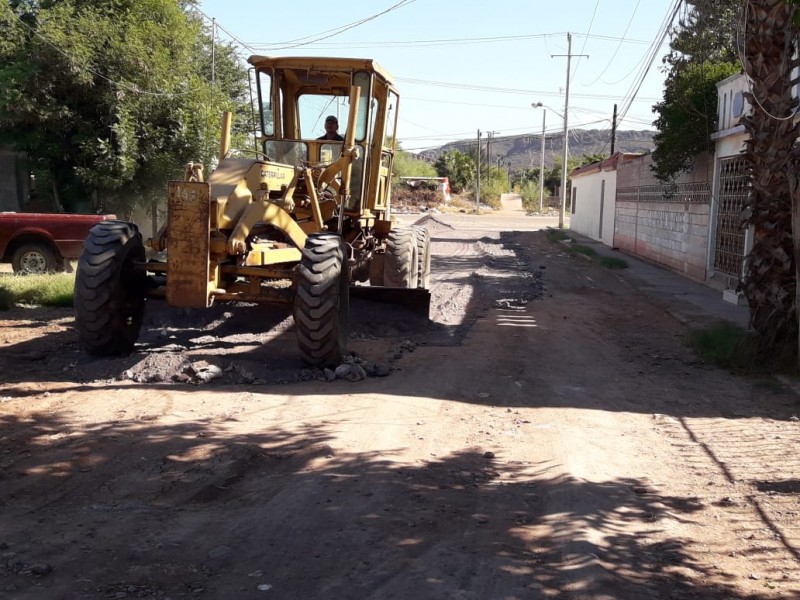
[(234, 182)]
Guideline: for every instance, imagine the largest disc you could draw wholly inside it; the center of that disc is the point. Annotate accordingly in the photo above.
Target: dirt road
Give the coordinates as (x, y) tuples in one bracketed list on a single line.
[(546, 435)]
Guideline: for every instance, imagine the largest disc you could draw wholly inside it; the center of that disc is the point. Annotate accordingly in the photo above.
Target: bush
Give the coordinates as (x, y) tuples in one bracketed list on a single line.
[(743, 352), (611, 262), (529, 190)]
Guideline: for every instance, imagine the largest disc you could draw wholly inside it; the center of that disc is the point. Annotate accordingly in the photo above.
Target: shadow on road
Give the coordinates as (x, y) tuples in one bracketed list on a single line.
[(207, 510)]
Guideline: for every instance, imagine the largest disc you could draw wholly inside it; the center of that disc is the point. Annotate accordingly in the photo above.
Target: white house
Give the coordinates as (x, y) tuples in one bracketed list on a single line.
[(594, 192), (728, 242)]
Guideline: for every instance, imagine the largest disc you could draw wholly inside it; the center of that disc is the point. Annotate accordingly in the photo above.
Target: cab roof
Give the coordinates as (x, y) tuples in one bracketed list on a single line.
[(311, 63)]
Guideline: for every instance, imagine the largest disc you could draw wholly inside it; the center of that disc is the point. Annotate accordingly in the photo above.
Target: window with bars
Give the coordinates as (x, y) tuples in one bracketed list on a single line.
[(729, 242)]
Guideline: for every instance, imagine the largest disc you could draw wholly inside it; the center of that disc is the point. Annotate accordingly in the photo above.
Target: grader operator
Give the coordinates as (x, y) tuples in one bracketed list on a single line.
[(299, 220)]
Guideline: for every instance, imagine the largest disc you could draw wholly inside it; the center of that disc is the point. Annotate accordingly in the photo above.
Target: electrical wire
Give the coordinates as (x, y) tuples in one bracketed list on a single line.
[(585, 39), (619, 45), (432, 42), (483, 88), (341, 30), (630, 96), (261, 46)]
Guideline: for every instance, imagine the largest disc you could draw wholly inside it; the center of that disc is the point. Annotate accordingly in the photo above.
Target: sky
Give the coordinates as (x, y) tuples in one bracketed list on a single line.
[(463, 66)]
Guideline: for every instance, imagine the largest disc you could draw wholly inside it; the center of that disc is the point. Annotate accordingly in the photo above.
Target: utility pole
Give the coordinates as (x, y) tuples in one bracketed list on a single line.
[(541, 157), (488, 142), (614, 130), (569, 55), (478, 190), (541, 167)]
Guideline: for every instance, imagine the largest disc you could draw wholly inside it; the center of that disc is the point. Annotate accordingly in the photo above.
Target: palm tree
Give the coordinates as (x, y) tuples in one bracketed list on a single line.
[(770, 269)]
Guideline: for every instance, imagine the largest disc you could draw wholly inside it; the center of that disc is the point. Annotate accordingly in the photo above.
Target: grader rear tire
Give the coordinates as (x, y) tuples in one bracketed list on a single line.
[(109, 291), (400, 268), (322, 301), (423, 240)]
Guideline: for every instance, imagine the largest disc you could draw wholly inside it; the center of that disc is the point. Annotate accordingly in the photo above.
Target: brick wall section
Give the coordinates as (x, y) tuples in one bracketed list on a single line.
[(668, 229)]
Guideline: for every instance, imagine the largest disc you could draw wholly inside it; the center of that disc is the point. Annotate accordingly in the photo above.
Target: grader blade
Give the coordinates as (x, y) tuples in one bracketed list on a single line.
[(416, 300)]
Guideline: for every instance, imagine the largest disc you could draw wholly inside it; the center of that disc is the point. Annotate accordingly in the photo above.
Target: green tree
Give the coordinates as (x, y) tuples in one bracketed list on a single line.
[(687, 116), (408, 165), (708, 32), (702, 52), (552, 180), (458, 167), (110, 99)]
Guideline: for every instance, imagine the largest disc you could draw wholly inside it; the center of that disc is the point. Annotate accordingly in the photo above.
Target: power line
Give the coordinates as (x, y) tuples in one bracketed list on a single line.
[(637, 84), (585, 39), (483, 88), (613, 56), (450, 41), (340, 30)]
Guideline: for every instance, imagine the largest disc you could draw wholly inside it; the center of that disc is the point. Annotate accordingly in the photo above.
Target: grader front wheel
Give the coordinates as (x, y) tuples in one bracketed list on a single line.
[(109, 291), (322, 300)]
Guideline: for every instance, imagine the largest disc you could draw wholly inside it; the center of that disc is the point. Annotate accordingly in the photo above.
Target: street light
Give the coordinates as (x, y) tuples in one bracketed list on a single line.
[(541, 167)]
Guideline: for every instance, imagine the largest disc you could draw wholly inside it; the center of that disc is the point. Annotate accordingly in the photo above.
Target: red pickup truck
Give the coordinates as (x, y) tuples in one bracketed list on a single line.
[(43, 242)]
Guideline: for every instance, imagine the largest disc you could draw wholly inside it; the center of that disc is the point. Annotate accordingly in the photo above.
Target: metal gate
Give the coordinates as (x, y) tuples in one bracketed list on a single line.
[(734, 186)]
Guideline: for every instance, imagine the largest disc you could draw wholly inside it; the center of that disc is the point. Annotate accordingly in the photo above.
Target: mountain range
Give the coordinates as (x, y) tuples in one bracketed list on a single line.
[(523, 151)]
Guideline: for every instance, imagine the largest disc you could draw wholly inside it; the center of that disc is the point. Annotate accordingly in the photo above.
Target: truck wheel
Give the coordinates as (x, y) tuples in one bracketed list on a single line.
[(34, 259), (423, 239), (400, 266), (109, 291), (322, 300)]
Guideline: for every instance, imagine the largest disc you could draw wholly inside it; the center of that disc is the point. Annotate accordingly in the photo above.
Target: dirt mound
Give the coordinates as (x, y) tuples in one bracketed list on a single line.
[(432, 223)]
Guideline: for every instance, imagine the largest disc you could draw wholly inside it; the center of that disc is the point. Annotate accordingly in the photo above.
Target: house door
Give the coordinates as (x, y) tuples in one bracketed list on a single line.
[(729, 242)]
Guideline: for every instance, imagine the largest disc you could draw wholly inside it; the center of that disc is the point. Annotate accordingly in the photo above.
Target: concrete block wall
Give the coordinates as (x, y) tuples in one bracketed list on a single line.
[(671, 231)]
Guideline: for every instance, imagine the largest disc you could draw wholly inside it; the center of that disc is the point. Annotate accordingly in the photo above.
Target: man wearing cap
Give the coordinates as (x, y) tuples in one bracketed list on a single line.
[(331, 130)]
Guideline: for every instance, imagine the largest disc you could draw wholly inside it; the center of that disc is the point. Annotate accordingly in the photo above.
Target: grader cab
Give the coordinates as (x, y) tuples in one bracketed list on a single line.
[(299, 220)]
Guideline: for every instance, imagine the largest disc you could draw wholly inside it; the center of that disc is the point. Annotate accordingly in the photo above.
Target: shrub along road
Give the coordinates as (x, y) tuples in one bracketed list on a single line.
[(548, 434)]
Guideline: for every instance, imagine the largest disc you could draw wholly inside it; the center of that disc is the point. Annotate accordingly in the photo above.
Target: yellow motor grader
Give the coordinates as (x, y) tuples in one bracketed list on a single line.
[(299, 220)]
